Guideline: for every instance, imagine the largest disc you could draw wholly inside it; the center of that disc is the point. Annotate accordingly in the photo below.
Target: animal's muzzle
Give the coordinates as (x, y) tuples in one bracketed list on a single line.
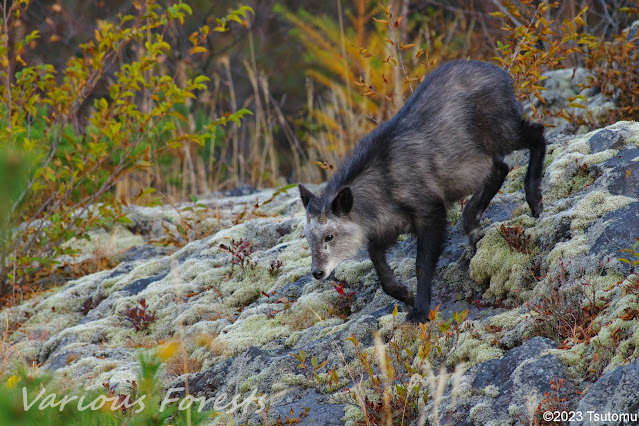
[(318, 274)]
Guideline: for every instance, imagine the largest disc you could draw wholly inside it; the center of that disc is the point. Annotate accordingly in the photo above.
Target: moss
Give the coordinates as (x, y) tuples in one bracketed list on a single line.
[(508, 320), (552, 152), (473, 348), (354, 271), (515, 179), (481, 413), (491, 391), (594, 205), (108, 244), (630, 131), (353, 415), (571, 249), (252, 331), (500, 267)]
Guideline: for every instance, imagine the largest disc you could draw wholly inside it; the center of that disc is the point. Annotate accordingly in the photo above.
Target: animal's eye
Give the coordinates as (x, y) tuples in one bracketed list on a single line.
[(328, 238)]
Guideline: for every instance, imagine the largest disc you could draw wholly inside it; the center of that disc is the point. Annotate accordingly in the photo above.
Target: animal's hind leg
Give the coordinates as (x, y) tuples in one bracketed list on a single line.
[(390, 285), (480, 200), (533, 134)]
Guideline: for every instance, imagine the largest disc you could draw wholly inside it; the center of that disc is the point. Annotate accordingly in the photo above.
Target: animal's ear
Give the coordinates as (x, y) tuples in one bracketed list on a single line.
[(305, 194), (343, 202)]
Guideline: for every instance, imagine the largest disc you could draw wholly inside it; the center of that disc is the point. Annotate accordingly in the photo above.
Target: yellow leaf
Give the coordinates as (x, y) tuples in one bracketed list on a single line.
[(11, 383), (198, 49), (168, 350)]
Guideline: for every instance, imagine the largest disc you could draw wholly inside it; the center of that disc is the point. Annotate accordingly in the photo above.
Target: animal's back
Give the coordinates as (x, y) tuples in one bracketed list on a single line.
[(447, 134), (440, 145)]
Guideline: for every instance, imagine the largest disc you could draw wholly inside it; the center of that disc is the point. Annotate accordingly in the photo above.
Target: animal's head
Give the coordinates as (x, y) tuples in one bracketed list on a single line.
[(331, 232)]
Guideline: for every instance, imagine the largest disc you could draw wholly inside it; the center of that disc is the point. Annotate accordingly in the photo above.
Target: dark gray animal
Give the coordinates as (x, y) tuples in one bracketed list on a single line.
[(447, 141)]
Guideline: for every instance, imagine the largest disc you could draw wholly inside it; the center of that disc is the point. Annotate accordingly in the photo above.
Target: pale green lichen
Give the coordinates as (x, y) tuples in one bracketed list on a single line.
[(473, 347), (496, 264), (515, 179), (253, 330), (481, 413), (353, 415), (594, 205), (107, 244), (491, 391), (353, 271)]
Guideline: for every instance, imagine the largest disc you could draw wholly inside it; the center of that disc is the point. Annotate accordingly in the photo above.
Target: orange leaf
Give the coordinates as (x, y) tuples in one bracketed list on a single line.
[(382, 21)]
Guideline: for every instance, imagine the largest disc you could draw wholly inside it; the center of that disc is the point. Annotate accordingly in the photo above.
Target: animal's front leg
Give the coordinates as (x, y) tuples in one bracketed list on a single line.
[(430, 241), (390, 285)]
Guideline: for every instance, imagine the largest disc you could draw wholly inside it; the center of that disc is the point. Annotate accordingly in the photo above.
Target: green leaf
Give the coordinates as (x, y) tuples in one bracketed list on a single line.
[(124, 219)]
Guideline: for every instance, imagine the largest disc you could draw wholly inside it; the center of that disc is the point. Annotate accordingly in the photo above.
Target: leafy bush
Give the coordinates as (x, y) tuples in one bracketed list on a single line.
[(534, 44), (67, 190), (615, 65)]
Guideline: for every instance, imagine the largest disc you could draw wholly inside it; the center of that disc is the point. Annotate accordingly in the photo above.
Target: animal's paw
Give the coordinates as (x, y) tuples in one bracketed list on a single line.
[(417, 316), (536, 204), (537, 209)]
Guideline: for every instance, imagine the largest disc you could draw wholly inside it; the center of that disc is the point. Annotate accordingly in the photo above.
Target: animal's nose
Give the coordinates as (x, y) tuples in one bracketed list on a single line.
[(318, 274)]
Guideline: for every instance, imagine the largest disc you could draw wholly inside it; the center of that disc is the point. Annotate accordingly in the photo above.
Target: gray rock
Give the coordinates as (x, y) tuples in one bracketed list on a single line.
[(618, 181), (615, 392), (606, 139), (309, 408), (621, 232), (138, 285), (502, 386), (498, 372)]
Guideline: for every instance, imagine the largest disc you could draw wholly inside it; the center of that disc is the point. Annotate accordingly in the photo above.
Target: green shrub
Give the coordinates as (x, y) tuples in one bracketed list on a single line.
[(67, 191)]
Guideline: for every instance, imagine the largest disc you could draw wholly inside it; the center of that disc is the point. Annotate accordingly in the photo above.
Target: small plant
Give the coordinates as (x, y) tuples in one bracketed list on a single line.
[(139, 317), (241, 252), (559, 314), (553, 401), (290, 418), (314, 367), (190, 225), (274, 267), (633, 259), (121, 399), (516, 238), (343, 306), (396, 370)]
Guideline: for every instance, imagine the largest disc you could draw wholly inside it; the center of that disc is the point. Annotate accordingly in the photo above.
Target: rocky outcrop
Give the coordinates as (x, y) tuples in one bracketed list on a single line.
[(240, 313)]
